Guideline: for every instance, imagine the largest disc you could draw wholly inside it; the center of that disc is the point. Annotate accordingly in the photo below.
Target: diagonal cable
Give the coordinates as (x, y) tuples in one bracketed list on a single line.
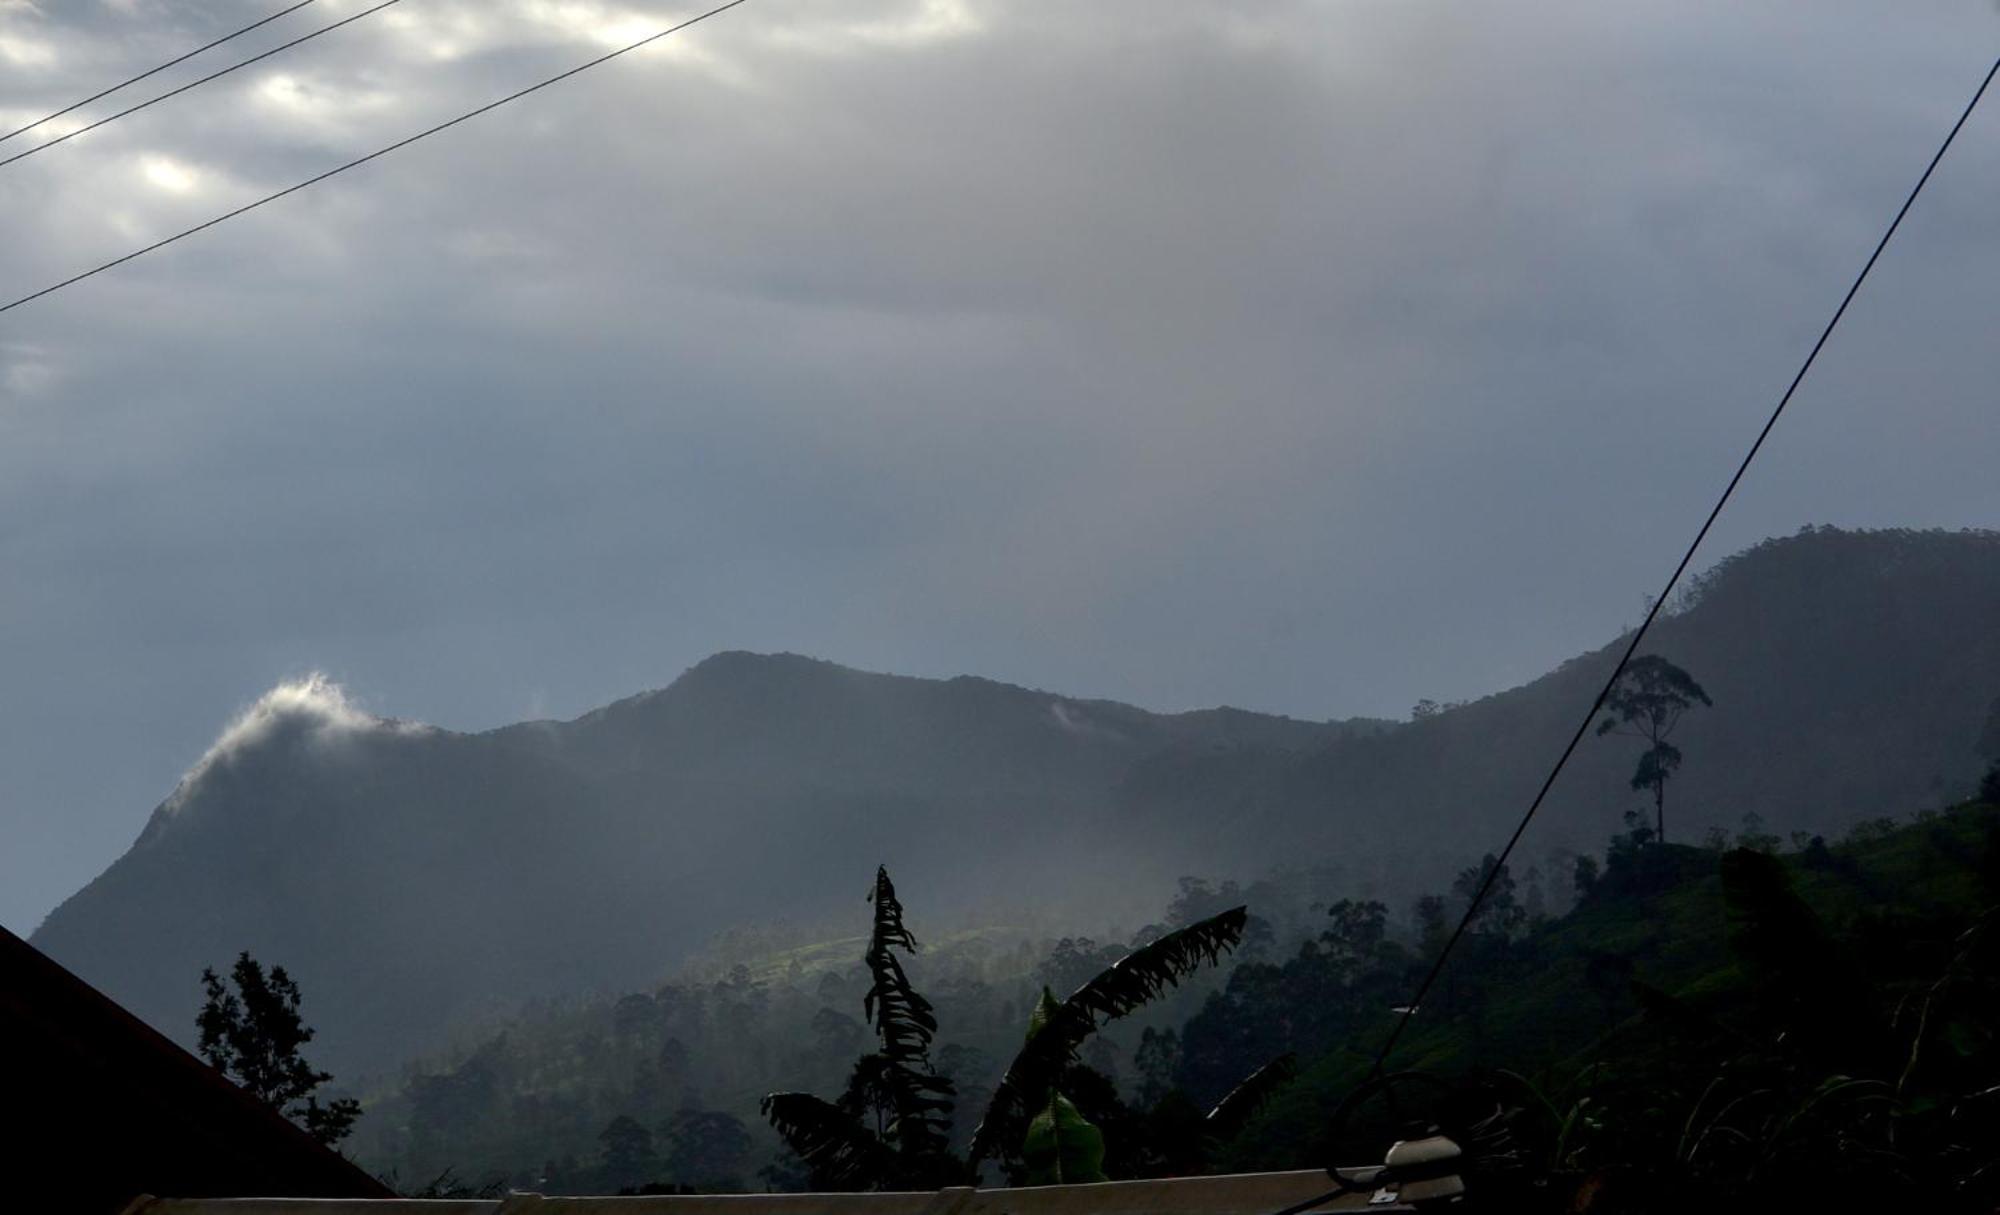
[(1376, 1073), (1653, 612), (198, 82), (130, 80), (362, 160)]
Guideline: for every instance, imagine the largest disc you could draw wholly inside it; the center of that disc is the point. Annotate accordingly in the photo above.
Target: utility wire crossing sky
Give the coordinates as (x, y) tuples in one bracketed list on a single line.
[(154, 71), (359, 160), (191, 85)]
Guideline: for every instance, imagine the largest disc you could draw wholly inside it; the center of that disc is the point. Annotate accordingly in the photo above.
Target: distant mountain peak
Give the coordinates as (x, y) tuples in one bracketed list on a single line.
[(726, 660), (741, 668)]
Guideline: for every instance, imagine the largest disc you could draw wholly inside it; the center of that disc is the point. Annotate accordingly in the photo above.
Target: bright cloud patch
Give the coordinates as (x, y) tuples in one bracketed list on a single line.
[(314, 705), (26, 53), (25, 370), (902, 28), (164, 173)]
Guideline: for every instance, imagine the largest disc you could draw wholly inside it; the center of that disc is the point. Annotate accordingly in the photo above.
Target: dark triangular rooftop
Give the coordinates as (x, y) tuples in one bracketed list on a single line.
[(103, 1108)]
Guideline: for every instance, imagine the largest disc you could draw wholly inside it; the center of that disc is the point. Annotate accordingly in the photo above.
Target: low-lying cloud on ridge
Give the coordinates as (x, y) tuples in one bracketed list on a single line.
[(313, 704)]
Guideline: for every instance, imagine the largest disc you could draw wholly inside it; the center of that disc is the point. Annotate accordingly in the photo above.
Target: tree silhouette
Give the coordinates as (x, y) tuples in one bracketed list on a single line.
[(896, 1088), (918, 1100), (628, 1152), (706, 1149), (253, 1036), (1157, 1059), (890, 1129), (1499, 913), (1646, 703)]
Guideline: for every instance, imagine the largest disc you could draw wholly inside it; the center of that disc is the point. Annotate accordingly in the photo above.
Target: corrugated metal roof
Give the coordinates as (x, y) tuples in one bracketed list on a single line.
[(1236, 1194)]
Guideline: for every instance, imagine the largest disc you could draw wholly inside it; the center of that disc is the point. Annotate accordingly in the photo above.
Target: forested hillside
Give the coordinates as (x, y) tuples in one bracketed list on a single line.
[(533, 1101), (1752, 1025), (1679, 977)]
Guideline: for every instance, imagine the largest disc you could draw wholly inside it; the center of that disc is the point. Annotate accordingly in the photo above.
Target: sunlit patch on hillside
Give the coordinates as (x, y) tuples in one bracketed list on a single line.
[(1072, 721)]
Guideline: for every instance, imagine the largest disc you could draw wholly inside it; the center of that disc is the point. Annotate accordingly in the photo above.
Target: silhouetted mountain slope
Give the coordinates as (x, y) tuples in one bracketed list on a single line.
[(1851, 675), (410, 876)]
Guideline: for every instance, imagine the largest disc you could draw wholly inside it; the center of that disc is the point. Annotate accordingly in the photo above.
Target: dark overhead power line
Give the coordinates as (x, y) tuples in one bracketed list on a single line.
[(1659, 602), (130, 80), (199, 81), (362, 160)]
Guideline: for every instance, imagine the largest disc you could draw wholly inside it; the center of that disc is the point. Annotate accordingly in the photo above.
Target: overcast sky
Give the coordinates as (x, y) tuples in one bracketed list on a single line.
[(1309, 357)]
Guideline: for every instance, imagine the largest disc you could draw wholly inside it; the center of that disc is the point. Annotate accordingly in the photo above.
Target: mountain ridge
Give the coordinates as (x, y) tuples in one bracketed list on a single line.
[(544, 858)]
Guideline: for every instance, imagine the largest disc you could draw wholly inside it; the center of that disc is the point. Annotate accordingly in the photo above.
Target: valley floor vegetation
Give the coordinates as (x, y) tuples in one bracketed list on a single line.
[(1745, 1023)]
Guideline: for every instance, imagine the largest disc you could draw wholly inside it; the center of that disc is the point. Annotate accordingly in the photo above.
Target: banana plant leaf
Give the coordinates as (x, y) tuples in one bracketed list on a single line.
[(1240, 1105), (841, 1153), (1057, 1030), (905, 1023), (1062, 1147)]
